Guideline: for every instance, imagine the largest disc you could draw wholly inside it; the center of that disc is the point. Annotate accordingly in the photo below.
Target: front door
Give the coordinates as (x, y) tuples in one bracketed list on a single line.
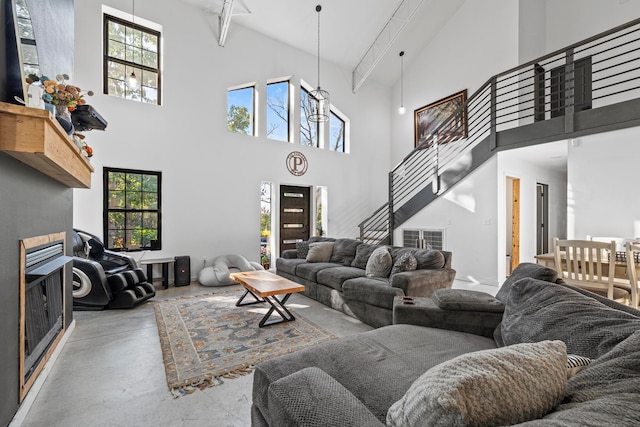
[(294, 215)]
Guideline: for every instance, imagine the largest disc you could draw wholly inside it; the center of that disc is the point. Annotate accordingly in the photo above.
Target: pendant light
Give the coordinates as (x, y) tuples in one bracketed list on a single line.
[(132, 80), (319, 105), (401, 109)]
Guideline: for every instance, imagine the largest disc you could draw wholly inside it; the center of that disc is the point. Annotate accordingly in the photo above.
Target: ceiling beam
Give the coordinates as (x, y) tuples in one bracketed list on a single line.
[(224, 20), (391, 30)]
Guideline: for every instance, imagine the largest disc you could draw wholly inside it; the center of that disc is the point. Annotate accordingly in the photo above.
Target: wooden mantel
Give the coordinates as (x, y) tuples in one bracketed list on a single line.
[(35, 137)]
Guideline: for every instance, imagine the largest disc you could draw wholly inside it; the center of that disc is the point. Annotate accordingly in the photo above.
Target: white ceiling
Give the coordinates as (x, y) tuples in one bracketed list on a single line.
[(347, 28)]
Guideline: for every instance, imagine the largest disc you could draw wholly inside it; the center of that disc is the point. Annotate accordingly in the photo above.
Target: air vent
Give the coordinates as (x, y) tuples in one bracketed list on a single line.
[(423, 238)]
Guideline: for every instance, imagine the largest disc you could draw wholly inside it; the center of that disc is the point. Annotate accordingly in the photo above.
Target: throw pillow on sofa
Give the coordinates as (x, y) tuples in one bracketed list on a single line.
[(380, 263), (406, 262), (363, 252), (320, 252), (479, 388), (302, 248)]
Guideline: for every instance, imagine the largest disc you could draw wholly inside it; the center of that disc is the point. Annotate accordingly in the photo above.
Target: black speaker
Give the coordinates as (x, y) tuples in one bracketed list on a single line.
[(182, 270)]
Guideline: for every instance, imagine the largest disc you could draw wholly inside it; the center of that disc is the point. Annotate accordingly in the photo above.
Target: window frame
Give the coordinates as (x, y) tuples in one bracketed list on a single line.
[(319, 129), (287, 81), (106, 210), (107, 59), (254, 105), (334, 112)]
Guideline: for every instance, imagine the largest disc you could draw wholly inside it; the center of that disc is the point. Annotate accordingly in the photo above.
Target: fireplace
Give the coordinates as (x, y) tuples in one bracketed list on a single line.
[(42, 278)]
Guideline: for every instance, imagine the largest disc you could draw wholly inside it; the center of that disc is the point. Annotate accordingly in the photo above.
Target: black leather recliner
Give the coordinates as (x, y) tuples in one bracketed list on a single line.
[(105, 279)]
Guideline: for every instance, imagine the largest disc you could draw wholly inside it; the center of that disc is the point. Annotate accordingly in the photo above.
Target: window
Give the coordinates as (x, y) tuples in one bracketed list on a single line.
[(308, 129), (336, 133), (278, 111), (132, 214), (265, 224), (131, 48), (240, 110)]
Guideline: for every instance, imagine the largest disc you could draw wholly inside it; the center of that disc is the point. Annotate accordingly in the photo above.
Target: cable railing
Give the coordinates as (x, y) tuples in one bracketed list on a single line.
[(597, 72)]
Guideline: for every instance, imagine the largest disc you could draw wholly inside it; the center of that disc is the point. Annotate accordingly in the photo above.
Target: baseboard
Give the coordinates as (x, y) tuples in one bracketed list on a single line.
[(26, 404)]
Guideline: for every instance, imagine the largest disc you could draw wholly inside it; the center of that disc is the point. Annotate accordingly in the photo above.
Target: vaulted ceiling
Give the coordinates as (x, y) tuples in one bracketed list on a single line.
[(348, 28)]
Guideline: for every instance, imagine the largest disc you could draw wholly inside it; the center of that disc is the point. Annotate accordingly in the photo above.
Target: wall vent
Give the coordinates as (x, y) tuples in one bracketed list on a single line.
[(423, 238)]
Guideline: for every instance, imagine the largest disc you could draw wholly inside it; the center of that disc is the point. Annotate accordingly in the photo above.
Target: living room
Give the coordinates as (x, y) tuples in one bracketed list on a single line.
[(211, 177)]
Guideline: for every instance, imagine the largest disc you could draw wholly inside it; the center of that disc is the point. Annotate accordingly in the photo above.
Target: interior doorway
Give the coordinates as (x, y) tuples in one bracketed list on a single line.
[(513, 223), (295, 215), (542, 218)]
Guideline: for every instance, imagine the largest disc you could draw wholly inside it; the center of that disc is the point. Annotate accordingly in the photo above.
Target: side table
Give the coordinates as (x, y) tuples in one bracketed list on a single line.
[(149, 262)]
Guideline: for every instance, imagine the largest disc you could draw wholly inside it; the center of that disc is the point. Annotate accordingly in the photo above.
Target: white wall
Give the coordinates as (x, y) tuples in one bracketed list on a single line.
[(515, 164), (603, 185), (479, 41), (211, 177)]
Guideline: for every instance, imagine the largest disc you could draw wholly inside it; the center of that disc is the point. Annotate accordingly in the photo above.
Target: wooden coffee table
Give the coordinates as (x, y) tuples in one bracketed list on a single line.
[(265, 286)]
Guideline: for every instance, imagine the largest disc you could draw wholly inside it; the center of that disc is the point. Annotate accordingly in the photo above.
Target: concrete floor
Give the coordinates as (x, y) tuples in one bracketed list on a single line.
[(110, 372)]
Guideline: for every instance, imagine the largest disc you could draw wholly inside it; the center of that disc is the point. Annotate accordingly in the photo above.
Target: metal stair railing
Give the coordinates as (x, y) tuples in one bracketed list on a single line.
[(597, 72)]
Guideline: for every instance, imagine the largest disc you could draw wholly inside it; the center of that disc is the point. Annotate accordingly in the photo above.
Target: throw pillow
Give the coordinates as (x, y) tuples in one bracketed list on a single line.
[(303, 249), (480, 388), (406, 262), (380, 263), (429, 259), (320, 252), (363, 252), (536, 310), (576, 364), (344, 251)]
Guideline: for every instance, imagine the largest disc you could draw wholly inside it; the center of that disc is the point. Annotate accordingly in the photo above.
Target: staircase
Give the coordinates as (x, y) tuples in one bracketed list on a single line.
[(590, 87)]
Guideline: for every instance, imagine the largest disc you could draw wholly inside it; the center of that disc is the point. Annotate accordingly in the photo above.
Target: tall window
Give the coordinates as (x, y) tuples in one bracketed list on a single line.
[(131, 48), (132, 214), (308, 129), (266, 242), (240, 110), (278, 111), (336, 133)]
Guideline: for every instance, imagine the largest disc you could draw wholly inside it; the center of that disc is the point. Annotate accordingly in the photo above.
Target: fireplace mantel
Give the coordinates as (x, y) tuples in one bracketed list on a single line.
[(35, 137)]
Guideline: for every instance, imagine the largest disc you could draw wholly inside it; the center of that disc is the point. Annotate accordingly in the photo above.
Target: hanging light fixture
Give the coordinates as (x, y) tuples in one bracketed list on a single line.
[(401, 109), (132, 80), (318, 99)]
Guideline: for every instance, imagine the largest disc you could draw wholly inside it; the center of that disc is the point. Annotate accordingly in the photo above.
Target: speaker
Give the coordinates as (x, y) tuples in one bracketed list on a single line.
[(182, 270)]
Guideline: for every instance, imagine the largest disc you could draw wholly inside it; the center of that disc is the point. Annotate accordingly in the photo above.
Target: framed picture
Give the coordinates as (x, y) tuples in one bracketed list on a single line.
[(428, 118)]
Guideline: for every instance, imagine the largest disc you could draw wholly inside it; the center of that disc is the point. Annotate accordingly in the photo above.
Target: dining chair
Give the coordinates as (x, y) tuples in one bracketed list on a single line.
[(585, 264), (633, 255)]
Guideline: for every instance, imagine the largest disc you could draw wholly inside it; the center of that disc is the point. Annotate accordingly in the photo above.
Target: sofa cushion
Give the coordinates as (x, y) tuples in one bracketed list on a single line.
[(477, 388), (320, 252), (314, 239), (526, 269), (604, 393), (376, 366), (380, 263), (363, 252), (288, 265), (344, 251), (302, 248), (429, 259), (537, 310), (371, 290), (309, 270), (334, 277), (406, 262), (466, 300)]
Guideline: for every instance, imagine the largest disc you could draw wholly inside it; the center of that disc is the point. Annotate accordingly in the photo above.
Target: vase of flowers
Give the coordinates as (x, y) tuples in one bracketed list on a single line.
[(62, 95)]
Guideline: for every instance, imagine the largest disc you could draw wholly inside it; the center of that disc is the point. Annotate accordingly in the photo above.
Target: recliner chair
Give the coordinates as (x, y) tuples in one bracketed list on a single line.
[(105, 279)]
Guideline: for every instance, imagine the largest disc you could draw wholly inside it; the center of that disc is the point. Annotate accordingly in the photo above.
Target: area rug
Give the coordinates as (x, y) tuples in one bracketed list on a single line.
[(206, 338)]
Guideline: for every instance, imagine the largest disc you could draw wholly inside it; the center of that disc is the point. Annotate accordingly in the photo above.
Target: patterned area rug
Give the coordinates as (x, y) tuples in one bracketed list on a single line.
[(206, 338)]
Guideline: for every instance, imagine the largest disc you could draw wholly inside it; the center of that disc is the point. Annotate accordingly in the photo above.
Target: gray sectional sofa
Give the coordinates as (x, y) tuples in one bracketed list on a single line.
[(512, 371), (341, 281)]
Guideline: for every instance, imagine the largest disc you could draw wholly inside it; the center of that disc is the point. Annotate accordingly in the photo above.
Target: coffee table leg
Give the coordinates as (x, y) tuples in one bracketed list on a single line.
[(246, 292), (277, 305)]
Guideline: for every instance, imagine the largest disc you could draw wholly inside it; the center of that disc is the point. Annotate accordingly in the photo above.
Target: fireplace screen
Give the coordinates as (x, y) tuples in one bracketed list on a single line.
[(42, 299)]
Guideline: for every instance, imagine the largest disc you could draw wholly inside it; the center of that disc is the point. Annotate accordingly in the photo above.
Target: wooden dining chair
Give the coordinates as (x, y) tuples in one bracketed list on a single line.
[(633, 254), (586, 264)]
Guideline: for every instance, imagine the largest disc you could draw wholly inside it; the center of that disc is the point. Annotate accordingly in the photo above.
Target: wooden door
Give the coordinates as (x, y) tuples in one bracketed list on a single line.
[(295, 215)]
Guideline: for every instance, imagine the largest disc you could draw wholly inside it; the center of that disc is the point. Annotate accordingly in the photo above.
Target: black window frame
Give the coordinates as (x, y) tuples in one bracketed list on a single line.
[(106, 58), (107, 210)]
